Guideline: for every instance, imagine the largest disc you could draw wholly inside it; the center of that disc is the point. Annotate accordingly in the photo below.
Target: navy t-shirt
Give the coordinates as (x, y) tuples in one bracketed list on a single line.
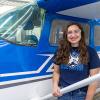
[(74, 71)]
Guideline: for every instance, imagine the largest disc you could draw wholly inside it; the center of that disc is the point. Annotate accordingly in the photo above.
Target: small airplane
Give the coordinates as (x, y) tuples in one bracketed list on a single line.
[(29, 34)]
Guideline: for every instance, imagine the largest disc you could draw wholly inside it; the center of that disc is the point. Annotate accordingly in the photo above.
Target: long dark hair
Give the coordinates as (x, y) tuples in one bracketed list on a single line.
[(63, 52)]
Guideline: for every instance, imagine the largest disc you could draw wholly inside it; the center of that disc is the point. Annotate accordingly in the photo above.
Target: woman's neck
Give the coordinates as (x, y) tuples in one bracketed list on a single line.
[(74, 45)]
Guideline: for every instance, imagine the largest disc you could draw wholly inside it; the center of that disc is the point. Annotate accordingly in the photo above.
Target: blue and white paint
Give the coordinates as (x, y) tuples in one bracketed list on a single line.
[(27, 69)]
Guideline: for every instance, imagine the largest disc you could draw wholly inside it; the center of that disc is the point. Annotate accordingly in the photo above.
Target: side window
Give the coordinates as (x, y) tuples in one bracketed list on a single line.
[(57, 31), (22, 25), (97, 35)]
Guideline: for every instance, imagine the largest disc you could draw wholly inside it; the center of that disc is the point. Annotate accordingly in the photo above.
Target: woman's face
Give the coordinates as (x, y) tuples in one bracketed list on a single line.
[(74, 35)]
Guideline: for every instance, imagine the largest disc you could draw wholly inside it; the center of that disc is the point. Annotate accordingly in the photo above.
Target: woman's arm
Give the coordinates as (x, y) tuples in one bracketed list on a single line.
[(92, 87), (56, 74)]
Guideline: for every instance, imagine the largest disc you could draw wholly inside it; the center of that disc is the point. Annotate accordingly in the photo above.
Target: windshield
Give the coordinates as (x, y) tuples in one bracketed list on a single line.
[(22, 24)]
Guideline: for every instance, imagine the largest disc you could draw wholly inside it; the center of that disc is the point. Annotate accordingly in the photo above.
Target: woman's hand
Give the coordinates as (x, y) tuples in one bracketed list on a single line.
[(56, 91)]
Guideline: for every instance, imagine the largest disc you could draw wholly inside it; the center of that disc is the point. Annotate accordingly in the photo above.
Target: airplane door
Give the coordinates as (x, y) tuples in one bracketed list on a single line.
[(52, 32)]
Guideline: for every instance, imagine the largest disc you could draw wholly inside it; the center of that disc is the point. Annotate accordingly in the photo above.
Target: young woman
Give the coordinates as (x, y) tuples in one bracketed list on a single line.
[(73, 62)]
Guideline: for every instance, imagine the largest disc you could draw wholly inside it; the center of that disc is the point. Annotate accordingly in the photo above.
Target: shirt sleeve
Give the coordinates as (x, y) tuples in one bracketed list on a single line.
[(94, 60)]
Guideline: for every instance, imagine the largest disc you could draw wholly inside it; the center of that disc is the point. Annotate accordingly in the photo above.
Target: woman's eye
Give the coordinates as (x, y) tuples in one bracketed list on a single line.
[(70, 32)]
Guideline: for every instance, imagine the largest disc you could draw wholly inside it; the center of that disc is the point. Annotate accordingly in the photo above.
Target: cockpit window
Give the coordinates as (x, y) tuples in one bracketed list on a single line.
[(97, 35), (22, 25), (58, 26)]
